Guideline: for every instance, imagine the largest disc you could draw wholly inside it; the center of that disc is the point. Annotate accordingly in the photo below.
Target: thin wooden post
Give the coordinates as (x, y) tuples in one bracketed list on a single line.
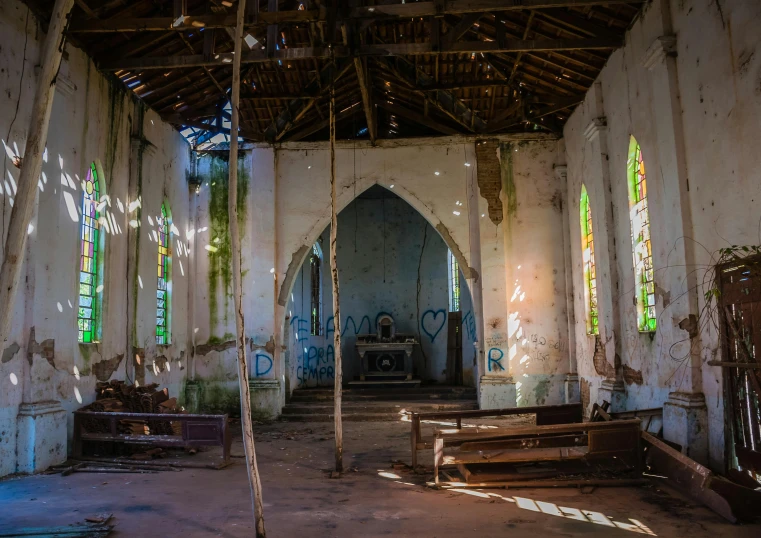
[(338, 426), (232, 209), (32, 164)]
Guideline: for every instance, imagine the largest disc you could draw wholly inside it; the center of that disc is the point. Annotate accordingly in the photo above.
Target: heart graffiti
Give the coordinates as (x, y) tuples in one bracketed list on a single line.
[(430, 324)]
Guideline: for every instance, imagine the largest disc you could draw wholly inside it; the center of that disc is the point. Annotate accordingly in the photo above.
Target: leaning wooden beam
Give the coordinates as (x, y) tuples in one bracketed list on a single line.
[(179, 120), (232, 209), (31, 166), (338, 379), (367, 98), (295, 109), (417, 118), (315, 127), (390, 49), (374, 12)]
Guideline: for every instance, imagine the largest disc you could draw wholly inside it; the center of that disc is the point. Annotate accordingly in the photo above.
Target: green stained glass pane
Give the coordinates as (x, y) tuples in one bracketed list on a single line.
[(84, 289), (81, 336), (80, 324), (87, 337)]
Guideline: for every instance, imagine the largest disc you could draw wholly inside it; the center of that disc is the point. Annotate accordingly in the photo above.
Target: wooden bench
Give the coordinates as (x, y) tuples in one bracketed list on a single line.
[(197, 430), (615, 443), (545, 415)]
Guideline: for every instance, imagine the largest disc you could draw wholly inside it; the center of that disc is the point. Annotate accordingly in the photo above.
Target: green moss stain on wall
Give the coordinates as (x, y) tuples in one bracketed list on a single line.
[(220, 259)]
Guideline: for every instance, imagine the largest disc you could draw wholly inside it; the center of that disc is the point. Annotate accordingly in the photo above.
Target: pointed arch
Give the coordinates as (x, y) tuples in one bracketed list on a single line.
[(164, 284), (642, 251), (588, 263), (88, 313)]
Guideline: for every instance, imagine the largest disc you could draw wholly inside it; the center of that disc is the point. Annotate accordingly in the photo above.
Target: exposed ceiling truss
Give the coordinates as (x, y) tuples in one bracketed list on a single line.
[(399, 69)]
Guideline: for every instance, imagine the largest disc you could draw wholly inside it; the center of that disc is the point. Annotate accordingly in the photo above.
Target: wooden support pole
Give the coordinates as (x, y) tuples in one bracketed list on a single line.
[(338, 380), (32, 164), (232, 209)]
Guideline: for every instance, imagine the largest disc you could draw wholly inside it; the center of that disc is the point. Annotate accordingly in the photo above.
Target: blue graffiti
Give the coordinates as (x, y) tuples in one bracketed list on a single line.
[(433, 316), (469, 321), (330, 326), (258, 370), (496, 359), (315, 365)]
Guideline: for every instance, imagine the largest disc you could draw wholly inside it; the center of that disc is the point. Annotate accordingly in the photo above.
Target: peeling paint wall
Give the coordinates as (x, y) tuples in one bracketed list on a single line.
[(524, 276), (718, 64), (91, 121)]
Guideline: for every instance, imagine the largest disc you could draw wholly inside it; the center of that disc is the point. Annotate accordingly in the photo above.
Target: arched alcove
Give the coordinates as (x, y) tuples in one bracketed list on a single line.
[(392, 260)]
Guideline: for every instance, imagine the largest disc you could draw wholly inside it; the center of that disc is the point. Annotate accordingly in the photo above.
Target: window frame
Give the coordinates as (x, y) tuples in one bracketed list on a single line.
[(315, 291)]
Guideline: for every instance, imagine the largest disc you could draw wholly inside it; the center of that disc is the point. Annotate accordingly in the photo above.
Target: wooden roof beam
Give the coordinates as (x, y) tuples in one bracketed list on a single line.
[(375, 12), (391, 49), (365, 89)]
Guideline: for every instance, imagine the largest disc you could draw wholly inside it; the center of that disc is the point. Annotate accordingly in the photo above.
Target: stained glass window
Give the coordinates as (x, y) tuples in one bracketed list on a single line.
[(641, 247), (588, 261), (163, 290), (315, 265), (454, 284), (88, 264)]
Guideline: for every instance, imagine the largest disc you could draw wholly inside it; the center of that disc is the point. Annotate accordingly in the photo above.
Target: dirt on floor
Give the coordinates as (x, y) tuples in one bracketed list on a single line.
[(375, 497)]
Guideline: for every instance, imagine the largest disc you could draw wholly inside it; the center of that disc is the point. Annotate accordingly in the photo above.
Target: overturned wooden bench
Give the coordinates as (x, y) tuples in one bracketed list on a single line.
[(195, 431), (545, 415), (519, 456)]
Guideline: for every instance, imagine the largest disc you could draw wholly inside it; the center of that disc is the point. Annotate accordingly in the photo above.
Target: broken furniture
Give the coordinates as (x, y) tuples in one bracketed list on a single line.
[(189, 430), (385, 354), (545, 415), (731, 499), (579, 454)]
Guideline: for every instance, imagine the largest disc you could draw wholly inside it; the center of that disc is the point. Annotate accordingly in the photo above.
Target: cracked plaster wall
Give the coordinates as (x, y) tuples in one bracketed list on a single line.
[(719, 83), (90, 121)]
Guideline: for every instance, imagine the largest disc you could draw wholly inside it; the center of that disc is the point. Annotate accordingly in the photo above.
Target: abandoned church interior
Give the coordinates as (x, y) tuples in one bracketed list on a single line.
[(380, 267)]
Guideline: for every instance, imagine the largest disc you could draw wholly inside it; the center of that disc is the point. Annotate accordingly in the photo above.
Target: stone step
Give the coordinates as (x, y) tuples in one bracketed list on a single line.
[(391, 408), (346, 417), (359, 397)]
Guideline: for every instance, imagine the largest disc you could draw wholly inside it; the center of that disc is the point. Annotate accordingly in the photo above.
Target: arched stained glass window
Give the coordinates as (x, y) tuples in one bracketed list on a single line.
[(588, 262), (164, 287), (88, 316), (641, 247)]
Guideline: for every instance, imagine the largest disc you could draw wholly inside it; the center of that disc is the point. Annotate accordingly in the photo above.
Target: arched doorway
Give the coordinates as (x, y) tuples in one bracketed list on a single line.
[(392, 261)]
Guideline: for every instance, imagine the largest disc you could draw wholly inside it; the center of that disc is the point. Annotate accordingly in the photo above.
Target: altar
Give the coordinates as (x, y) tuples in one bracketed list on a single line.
[(386, 354)]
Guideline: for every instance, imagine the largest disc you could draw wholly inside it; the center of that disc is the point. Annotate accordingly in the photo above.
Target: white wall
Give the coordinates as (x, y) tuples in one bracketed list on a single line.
[(718, 64), (91, 121)]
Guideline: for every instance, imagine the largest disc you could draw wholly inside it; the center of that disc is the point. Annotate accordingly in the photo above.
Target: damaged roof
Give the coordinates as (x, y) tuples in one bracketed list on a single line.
[(400, 69)]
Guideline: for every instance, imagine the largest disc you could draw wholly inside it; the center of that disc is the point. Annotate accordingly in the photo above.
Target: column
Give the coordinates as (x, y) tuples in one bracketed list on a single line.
[(572, 394), (598, 182), (685, 416)]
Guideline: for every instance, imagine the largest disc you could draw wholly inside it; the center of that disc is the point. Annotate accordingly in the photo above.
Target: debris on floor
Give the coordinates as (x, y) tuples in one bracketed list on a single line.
[(94, 527)]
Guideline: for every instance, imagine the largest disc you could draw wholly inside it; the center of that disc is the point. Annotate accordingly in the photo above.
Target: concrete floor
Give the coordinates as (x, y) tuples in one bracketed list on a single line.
[(301, 501)]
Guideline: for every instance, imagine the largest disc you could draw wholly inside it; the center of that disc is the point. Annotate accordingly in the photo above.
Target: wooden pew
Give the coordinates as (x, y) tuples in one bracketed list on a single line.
[(545, 415), (615, 444)]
